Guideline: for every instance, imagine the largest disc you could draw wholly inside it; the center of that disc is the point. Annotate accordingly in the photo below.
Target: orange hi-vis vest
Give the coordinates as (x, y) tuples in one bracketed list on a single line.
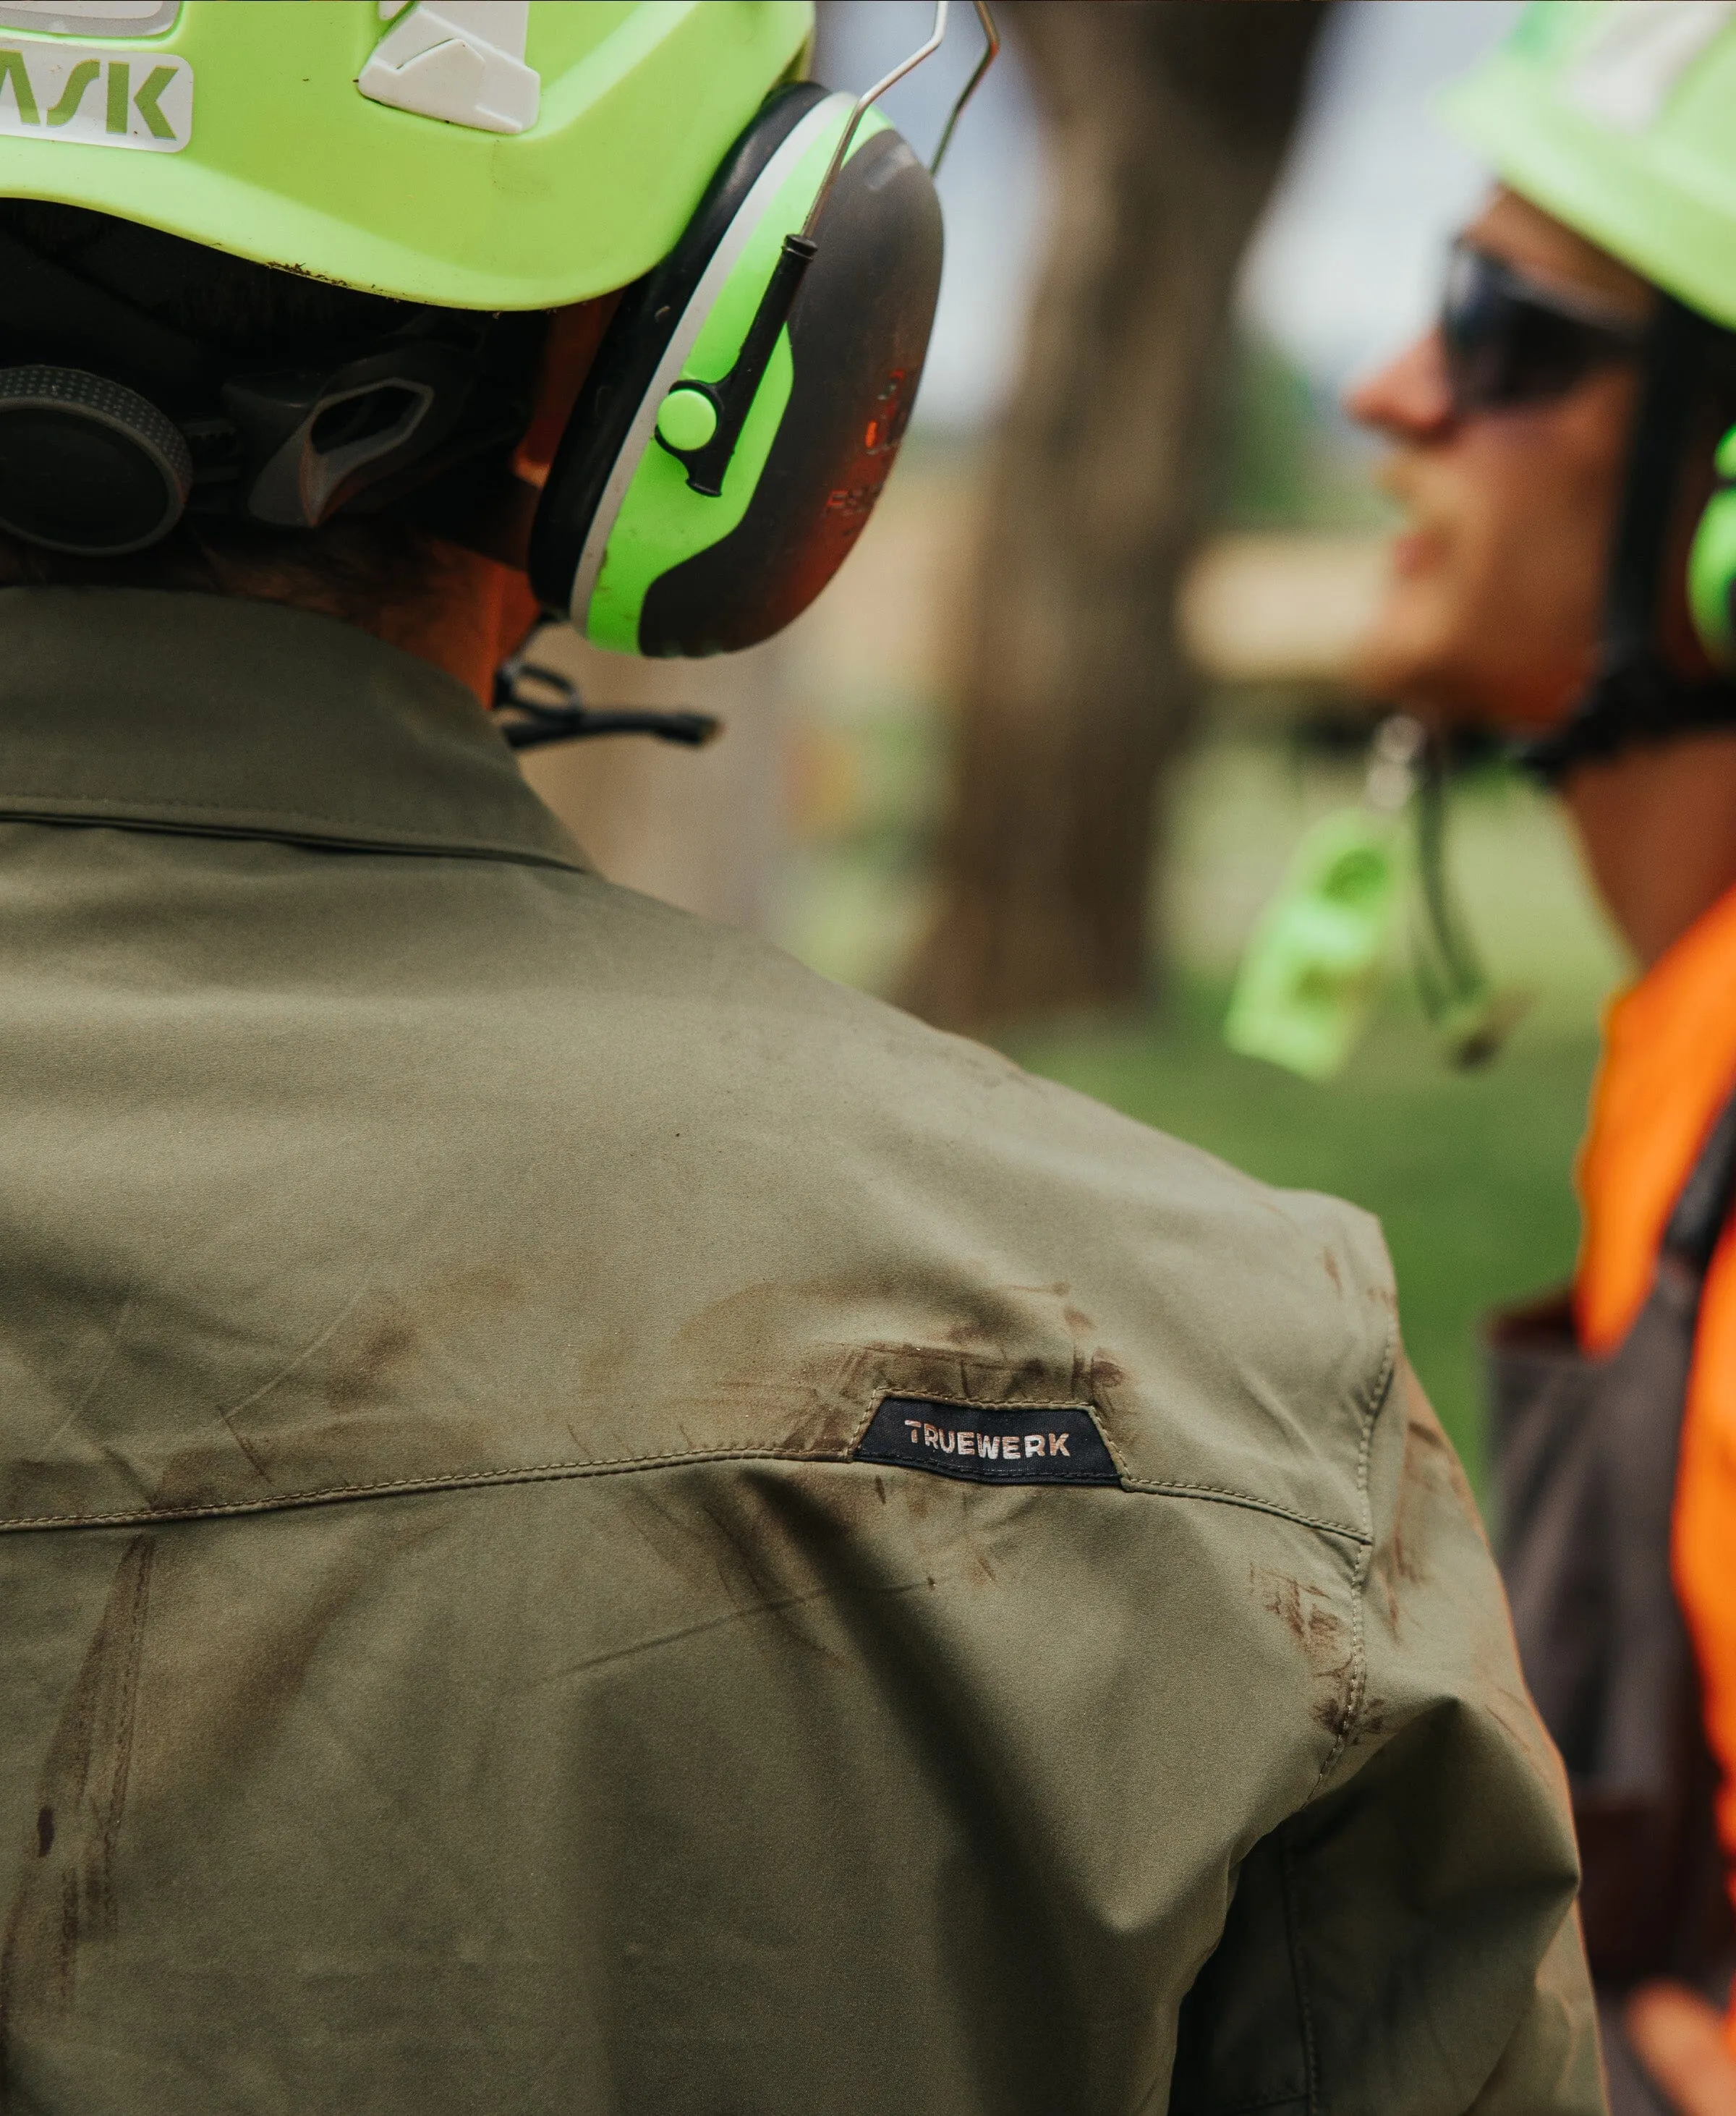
[(1668, 1067)]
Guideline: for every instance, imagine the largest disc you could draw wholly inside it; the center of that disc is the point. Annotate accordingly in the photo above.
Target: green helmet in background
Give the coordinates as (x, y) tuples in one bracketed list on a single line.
[(1618, 117), (432, 152), (1619, 120)]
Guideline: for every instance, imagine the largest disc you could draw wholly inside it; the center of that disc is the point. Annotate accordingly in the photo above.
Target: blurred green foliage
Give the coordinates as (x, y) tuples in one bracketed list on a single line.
[(1263, 470), (1285, 459)]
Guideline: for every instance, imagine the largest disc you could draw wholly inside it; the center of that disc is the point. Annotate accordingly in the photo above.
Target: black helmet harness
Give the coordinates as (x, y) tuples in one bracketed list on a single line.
[(1636, 696)]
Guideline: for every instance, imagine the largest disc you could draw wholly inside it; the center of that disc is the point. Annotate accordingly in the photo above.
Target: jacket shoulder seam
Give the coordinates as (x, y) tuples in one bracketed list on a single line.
[(317, 834), (1350, 1718), (549, 1472)]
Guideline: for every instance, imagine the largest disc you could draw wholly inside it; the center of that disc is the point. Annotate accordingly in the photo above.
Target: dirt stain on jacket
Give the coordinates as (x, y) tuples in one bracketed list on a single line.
[(64, 1893), (1324, 1638)]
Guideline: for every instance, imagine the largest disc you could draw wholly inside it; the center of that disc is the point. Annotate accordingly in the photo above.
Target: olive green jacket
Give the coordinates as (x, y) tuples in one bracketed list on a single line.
[(500, 1613)]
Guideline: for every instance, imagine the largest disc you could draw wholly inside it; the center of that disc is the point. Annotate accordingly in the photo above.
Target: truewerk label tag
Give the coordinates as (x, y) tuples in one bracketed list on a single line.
[(89, 94), (988, 1447)]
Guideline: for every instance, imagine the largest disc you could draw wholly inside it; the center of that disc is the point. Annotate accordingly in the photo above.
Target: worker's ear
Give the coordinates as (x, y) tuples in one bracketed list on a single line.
[(747, 402), (569, 352)]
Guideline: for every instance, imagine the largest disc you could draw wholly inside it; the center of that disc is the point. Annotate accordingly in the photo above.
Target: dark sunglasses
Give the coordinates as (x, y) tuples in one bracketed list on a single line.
[(1510, 341)]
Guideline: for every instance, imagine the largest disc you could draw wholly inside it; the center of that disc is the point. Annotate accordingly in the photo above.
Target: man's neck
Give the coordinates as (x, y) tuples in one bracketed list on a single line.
[(1657, 826), (483, 615), (471, 616)]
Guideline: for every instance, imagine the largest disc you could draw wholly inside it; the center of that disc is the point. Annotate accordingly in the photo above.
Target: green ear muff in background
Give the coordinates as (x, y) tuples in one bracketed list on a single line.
[(1711, 562), (1315, 961), (721, 460), (1309, 978)]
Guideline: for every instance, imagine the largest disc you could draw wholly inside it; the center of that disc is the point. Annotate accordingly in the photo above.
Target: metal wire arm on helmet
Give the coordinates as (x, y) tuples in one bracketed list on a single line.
[(936, 38), (991, 52), (733, 395)]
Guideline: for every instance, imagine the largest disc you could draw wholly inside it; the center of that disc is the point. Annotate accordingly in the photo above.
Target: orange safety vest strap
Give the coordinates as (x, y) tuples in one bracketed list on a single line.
[(1669, 1066)]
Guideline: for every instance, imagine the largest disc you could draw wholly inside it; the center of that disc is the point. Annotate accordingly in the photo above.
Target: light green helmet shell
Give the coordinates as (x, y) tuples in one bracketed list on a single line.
[(1618, 117), (587, 130)]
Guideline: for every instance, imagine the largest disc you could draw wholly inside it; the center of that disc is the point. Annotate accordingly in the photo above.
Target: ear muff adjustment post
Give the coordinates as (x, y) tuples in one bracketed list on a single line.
[(733, 398), (706, 457)]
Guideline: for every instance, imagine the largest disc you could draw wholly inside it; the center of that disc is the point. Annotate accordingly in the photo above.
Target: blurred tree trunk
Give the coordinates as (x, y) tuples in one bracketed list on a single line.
[(1168, 123)]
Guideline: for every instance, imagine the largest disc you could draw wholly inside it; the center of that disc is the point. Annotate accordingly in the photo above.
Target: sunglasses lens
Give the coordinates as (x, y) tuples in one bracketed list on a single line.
[(1506, 343)]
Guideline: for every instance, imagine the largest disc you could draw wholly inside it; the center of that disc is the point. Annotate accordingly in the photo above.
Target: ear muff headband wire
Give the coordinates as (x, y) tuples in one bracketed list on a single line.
[(936, 38), (991, 52), (1635, 696), (732, 395)]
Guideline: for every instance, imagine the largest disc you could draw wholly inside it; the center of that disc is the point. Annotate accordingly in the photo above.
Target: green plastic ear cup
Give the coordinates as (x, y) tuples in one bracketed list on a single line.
[(1711, 564), (660, 522), (1309, 976), (256, 138), (624, 543)]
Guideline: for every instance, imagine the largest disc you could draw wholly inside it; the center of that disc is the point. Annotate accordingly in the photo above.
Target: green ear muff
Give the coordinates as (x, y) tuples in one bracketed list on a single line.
[(721, 460), (1711, 562)]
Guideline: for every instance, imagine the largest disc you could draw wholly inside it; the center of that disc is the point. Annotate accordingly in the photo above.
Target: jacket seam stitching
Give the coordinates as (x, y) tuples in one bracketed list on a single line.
[(963, 1403), (1227, 1495), (334, 836), (544, 1472), (1376, 1401), (1158, 1487), (1304, 2004)]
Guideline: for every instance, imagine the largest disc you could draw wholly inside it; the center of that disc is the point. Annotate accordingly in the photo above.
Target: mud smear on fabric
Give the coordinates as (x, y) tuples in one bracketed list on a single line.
[(818, 1354), (732, 1546), (64, 1896), (367, 1357), (1399, 1561), (1324, 1637), (766, 1346)]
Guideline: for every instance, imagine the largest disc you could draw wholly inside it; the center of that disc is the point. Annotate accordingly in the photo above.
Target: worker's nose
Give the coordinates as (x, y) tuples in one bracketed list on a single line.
[(1408, 399)]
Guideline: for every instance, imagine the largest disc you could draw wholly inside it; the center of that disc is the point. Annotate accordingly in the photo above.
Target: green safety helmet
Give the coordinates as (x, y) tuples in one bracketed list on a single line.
[(482, 162), (576, 140), (1616, 119), (1615, 115)]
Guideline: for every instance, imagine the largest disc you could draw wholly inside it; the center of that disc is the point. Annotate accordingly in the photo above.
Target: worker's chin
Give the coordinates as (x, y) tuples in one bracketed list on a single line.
[(1458, 689), (1406, 657)]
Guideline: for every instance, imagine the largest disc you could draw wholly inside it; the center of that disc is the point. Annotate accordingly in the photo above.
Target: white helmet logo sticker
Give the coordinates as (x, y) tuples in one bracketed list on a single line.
[(1642, 48), (91, 18), (460, 60), (89, 94)]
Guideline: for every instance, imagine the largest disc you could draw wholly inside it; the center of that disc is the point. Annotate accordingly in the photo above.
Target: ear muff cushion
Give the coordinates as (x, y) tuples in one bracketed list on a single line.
[(638, 336), (1711, 564), (858, 337)]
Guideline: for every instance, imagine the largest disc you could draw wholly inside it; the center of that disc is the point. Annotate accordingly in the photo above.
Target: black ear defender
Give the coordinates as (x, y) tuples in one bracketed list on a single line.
[(736, 427), (745, 409)]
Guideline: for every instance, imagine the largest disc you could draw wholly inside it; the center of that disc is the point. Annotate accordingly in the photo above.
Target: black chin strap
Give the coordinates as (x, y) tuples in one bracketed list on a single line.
[(1635, 696)]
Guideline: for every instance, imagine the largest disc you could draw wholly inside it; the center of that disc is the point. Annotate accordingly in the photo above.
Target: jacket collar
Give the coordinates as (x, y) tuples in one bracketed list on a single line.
[(216, 716)]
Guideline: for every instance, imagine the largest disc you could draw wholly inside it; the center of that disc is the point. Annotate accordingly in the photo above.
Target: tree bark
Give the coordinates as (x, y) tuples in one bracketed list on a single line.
[(1168, 124)]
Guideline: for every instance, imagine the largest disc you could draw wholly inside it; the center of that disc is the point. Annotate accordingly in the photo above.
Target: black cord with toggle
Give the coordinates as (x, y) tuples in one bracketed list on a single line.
[(529, 723)]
